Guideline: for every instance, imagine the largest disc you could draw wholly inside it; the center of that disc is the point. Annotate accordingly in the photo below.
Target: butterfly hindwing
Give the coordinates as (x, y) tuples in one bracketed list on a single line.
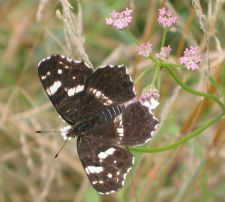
[(64, 81), (105, 165), (135, 125)]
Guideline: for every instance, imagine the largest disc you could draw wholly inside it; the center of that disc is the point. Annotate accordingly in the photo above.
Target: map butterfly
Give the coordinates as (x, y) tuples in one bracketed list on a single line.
[(94, 104)]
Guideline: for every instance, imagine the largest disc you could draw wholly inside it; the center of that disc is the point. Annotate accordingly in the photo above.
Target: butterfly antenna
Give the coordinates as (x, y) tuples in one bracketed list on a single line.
[(47, 131), (61, 147)]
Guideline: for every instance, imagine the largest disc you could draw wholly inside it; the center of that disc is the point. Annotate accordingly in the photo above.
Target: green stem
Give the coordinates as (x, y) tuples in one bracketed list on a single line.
[(164, 37), (171, 65), (153, 58), (183, 140), (156, 76), (193, 91)]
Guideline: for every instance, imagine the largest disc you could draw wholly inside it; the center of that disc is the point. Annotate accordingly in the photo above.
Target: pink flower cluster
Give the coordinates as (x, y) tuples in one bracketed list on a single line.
[(150, 98), (144, 49), (164, 53), (191, 58), (166, 18), (120, 20)]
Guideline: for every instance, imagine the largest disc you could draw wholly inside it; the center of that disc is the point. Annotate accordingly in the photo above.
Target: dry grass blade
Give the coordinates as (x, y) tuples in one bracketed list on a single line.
[(74, 32)]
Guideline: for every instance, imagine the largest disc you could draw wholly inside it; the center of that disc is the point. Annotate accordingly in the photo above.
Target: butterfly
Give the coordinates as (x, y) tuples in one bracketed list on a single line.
[(96, 106)]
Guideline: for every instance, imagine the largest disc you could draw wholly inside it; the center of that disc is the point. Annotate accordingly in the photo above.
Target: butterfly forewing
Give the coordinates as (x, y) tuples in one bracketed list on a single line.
[(105, 165), (108, 86), (64, 82)]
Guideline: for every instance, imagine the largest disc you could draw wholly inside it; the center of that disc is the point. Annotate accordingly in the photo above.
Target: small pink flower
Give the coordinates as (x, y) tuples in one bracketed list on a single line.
[(164, 53), (120, 20), (150, 98), (144, 49), (166, 18), (191, 58)]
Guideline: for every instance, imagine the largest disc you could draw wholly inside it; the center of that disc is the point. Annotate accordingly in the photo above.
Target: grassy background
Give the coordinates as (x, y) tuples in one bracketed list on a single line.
[(31, 30)]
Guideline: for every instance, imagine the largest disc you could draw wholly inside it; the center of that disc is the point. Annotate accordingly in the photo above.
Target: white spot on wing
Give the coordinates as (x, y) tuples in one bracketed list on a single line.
[(48, 91), (127, 72), (128, 170), (69, 60), (105, 154), (87, 170), (48, 73), (121, 66), (93, 169), (87, 65), (110, 151), (119, 125), (156, 126), (103, 66), (120, 131), (71, 91), (79, 88), (109, 175), (43, 77), (41, 62), (53, 89), (102, 155), (59, 71), (100, 95), (148, 139)]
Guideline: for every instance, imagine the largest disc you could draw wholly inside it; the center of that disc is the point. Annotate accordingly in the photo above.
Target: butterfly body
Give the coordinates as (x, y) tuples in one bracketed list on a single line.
[(94, 104), (100, 118)]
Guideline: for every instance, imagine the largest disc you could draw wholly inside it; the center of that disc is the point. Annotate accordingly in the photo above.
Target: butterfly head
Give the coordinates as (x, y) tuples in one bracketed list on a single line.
[(67, 132)]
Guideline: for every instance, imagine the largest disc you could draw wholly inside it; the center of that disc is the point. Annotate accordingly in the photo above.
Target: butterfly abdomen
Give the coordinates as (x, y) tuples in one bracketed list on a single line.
[(109, 113)]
